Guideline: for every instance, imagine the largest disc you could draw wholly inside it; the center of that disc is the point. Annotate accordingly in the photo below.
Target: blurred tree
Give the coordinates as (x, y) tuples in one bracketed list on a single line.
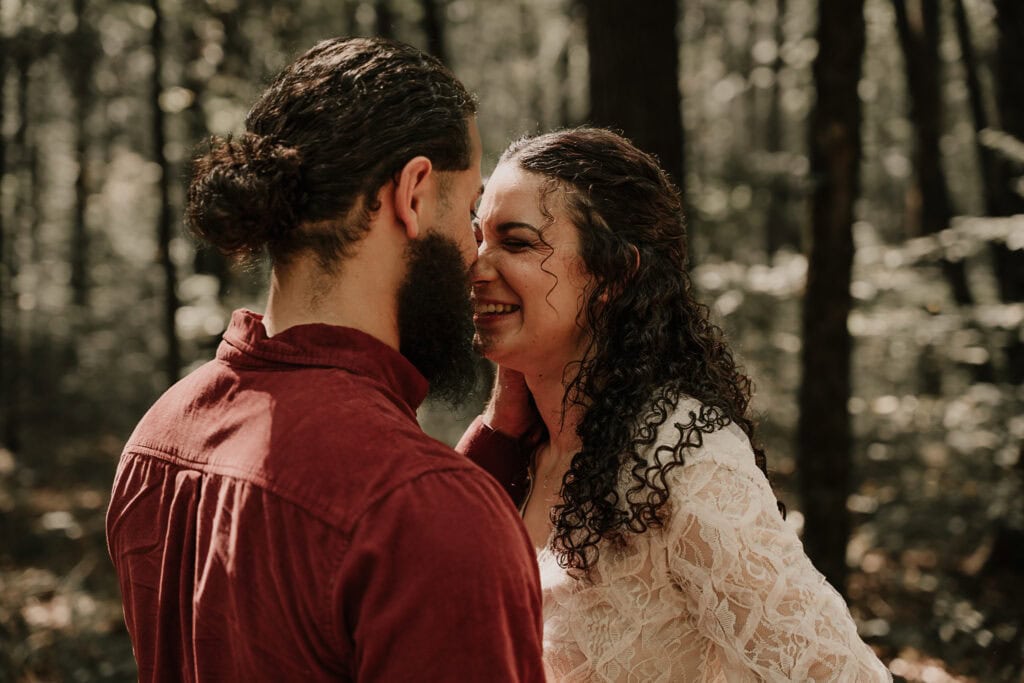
[(823, 432), (172, 358), (81, 54), (202, 43), (433, 28), (385, 18), (29, 188), (349, 17), (634, 75), (976, 100), (6, 400), (779, 230), (1009, 263), (928, 203), (26, 44), (563, 115), (529, 41)]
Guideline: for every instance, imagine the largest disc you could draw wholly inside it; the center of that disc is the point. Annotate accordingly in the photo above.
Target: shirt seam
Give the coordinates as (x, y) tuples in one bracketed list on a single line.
[(242, 474)]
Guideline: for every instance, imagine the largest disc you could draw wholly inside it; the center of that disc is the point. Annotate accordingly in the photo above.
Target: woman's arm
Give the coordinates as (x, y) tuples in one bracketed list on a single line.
[(750, 587)]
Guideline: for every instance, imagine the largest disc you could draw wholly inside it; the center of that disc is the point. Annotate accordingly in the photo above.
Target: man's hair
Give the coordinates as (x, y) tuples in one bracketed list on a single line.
[(329, 132)]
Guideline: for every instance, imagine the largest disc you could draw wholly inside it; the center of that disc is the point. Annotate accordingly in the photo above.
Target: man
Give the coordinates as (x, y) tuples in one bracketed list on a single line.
[(278, 514)]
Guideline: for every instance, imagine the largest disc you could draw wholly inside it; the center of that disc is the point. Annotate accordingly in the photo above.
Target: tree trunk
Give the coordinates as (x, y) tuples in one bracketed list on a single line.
[(349, 11), (1010, 99), (929, 210), (529, 44), (634, 75), (172, 362), (25, 220), (385, 19), (778, 232), (26, 204), (80, 63), (976, 98), (433, 28), (6, 399), (207, 260), (562, 77), (823, 453)]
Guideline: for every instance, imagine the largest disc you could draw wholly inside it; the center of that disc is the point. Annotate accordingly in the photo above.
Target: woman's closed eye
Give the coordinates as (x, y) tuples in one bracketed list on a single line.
[(516, 244)]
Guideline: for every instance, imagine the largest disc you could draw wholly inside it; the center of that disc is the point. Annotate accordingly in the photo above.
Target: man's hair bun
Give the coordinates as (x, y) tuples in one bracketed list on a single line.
[(245, 193)]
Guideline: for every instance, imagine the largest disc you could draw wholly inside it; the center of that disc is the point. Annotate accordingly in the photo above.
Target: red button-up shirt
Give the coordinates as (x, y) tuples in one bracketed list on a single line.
[(279, 515)]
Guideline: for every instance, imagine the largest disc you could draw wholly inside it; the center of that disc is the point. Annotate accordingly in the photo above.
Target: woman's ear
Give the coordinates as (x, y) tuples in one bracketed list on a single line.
[(633, 268), (411, 187)]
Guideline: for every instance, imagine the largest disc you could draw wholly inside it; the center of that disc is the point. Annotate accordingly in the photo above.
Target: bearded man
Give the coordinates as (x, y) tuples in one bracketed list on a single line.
[(279, 514)]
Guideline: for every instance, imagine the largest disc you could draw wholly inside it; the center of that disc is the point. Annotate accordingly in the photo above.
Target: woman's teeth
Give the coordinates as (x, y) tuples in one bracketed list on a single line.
[(496, 308)]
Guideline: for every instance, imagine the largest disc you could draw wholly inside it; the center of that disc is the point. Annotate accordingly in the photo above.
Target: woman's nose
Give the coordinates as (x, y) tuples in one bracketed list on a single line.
[(483, 269)]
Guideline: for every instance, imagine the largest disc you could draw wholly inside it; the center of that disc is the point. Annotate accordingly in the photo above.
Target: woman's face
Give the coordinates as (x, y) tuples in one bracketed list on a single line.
[(529, 281)]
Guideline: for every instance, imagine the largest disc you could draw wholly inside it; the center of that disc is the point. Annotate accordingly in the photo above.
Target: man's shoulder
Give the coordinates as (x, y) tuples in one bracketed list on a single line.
[(324, 439)]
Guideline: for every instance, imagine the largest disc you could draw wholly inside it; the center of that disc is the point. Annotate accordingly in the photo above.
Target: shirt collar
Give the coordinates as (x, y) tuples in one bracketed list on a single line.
[(323, 345)]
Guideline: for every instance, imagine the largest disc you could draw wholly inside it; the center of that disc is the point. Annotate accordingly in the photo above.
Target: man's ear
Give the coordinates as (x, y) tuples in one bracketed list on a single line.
[(411, 192)]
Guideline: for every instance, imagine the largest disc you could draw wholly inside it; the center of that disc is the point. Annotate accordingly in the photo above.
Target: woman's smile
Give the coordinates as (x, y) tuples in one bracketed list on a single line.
[(528, 280)]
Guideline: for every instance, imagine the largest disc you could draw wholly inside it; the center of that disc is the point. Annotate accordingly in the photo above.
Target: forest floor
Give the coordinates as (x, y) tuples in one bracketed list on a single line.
[(936, 558), (926, 592)]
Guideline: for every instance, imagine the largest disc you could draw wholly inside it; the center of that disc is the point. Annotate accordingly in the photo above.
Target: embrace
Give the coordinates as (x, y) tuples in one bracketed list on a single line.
[(279, 514)]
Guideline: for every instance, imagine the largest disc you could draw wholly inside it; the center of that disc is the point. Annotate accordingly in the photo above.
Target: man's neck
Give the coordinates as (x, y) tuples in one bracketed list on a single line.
[(361, 294)]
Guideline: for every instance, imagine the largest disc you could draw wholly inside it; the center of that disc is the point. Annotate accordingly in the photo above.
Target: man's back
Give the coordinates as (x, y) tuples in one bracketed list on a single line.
[(280, 515)]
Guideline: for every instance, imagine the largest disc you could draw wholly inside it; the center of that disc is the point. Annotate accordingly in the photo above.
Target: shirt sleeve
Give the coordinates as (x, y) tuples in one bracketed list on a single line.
[(440, 584), (749, 585), (503, 457)]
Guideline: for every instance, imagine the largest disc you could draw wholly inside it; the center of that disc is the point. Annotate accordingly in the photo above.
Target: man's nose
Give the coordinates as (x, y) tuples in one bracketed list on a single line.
[(469, 255)]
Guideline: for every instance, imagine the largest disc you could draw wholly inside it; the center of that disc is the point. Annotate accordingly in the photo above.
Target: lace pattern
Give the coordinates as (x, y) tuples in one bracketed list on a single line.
[(722, 592)]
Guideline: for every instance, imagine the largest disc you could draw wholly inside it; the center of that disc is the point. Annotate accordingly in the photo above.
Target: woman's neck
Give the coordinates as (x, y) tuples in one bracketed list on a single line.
[(548, 393)]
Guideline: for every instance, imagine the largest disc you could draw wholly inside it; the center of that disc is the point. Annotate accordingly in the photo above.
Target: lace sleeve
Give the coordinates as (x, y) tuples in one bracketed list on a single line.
[(749, 585)]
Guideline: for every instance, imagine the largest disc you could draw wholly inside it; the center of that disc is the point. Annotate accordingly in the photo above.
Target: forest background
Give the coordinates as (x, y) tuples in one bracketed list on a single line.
[(852, 176)]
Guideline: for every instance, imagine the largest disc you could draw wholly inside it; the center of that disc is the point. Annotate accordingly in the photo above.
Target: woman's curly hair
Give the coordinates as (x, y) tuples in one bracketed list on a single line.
[(652, 343)]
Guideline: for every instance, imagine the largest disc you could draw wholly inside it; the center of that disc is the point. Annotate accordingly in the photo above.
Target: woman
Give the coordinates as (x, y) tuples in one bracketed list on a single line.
[(662, 550)]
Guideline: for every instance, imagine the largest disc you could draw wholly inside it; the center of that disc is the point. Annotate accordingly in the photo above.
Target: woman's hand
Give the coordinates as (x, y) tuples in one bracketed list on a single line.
[(510, 410)]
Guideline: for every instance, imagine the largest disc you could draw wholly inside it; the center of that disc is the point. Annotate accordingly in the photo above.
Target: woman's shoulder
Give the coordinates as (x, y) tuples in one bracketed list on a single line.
[(696, 433)]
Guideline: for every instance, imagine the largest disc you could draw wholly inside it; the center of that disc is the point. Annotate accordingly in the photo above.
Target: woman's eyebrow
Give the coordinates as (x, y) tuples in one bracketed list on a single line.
[(512, 225)]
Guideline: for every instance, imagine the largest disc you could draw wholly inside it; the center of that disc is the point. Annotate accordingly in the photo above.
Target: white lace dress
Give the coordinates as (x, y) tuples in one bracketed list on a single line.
[(723, 592)]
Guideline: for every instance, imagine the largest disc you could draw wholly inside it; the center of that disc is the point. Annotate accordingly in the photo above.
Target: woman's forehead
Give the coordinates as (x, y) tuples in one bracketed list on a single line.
[(510, 188)]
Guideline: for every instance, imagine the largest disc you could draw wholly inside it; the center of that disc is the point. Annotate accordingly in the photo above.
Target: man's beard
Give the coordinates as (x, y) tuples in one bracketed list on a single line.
[(435, 318)]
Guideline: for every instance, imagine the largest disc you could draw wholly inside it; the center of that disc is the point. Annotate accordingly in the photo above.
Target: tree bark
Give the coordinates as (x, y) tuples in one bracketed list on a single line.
[(976, 99), (562, 76), (207, 260), (1010, 100), (24, 221), (929, 210), (80, 63), (778, 233), (6, 399), (385, 19), (172, 360), (634, 75), (823, 454), (533, 95), (433, 28)]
